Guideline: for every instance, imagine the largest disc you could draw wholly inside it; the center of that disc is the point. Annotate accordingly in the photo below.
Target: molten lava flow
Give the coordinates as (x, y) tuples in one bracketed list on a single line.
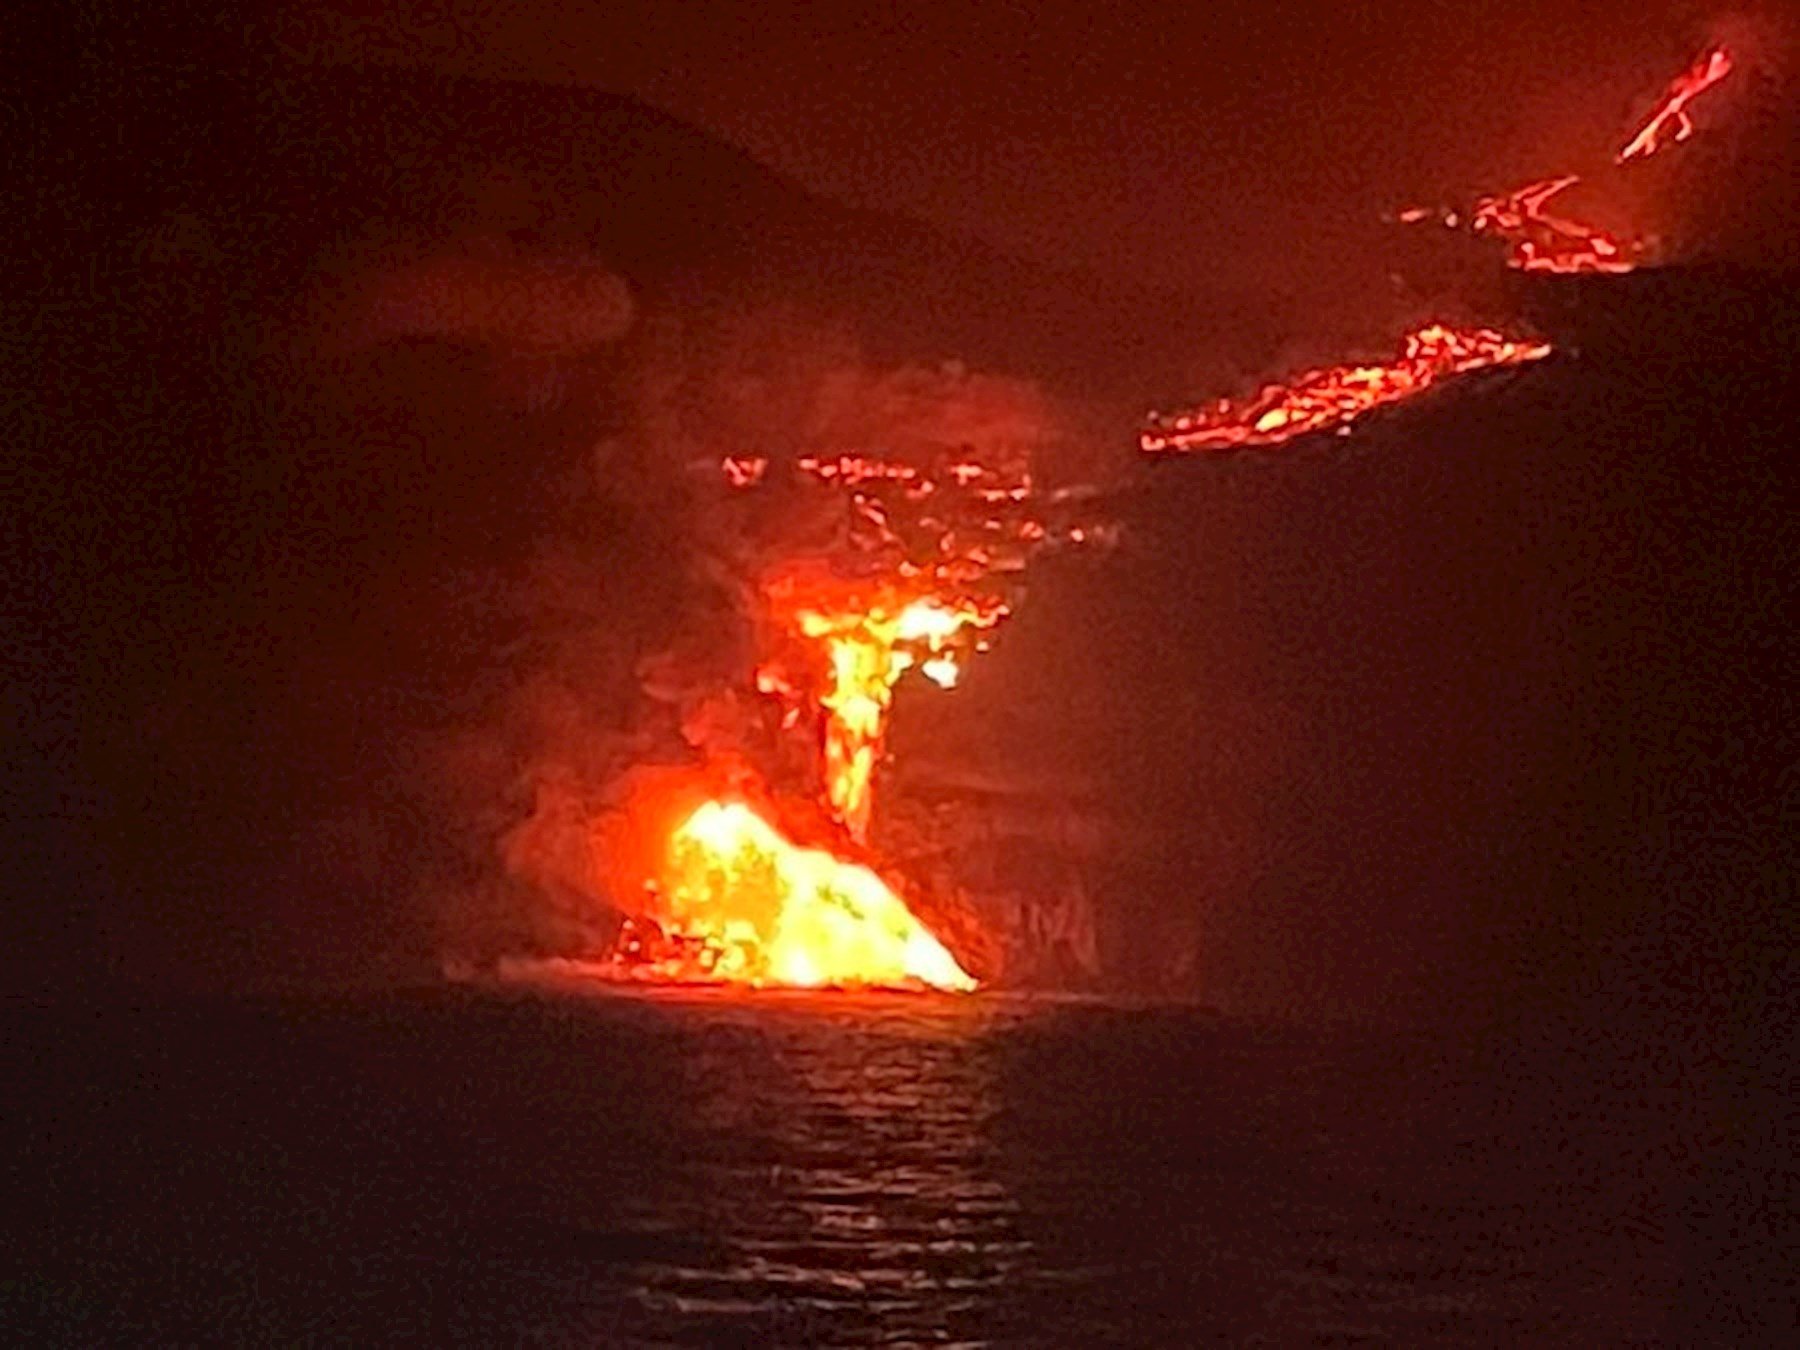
[(929, 551), (742, 904), (1320, 400), (1538, 241), (1669, 122), (868, 649), (913, 574)]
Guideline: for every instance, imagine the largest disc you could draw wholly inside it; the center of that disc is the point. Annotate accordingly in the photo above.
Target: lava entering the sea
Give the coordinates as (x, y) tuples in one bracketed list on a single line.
[(765, 874), (1333, 397), (921, 568), (744, 904)]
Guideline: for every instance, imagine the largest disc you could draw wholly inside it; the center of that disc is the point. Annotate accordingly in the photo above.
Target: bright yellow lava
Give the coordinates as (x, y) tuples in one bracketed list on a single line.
[(767, 911)]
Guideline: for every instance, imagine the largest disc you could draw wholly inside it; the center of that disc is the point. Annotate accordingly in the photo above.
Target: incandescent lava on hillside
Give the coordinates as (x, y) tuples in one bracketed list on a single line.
[(757, 865), (1536, 239), (774, 883), (1669, 123), (1540, 239), (1333, 396)]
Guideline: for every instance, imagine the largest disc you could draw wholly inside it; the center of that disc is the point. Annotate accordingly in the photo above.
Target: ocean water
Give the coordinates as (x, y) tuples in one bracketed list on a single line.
[(569, 1166)]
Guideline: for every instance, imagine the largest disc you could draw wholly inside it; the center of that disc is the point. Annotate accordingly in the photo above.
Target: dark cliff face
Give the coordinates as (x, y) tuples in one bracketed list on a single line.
[(1482, 705)]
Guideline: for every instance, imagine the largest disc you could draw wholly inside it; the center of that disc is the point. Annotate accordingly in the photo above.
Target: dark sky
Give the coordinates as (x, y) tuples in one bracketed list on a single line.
[(1249, 143)]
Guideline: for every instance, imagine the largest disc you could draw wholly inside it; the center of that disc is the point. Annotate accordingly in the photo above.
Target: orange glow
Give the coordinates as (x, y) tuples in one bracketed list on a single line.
[(933, 549), (742, 904), (1538, 241), (1333, 397), (868, 646), (744, 470), (1669, 123), (917, 575)]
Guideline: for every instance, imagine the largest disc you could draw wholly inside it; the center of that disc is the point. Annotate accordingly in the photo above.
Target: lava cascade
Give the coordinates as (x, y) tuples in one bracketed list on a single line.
[(925, 566), (745, 904), (920, 573)]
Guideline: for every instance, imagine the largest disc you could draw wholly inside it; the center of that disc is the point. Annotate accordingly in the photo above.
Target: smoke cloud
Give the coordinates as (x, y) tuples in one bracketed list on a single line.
[(599, 758)]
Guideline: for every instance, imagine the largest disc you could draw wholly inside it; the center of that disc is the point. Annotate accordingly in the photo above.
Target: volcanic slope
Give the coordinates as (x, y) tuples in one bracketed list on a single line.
[(311, 364), (1484, 704)]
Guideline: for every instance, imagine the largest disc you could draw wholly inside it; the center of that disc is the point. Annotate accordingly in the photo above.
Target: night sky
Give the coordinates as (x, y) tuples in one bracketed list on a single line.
[(1200, 146)]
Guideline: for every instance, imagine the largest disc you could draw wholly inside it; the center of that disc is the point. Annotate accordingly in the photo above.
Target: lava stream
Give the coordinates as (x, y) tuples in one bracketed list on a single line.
[(1333, 397), (1669, 122), (1538, 240), (868, 650), (923, 566)]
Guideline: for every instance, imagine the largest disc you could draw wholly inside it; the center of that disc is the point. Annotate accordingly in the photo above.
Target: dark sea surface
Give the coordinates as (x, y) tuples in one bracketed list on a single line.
[(564, 1166)]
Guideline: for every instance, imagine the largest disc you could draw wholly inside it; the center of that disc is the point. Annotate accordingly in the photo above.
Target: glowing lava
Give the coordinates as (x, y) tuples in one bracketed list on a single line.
[(1538, 240), (914, 577), (1333, 397), (1669, 123), (868, 648), (744, 905)]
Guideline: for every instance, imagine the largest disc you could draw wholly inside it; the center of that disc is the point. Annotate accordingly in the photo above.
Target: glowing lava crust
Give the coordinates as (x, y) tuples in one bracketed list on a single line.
[(1333, 397)]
